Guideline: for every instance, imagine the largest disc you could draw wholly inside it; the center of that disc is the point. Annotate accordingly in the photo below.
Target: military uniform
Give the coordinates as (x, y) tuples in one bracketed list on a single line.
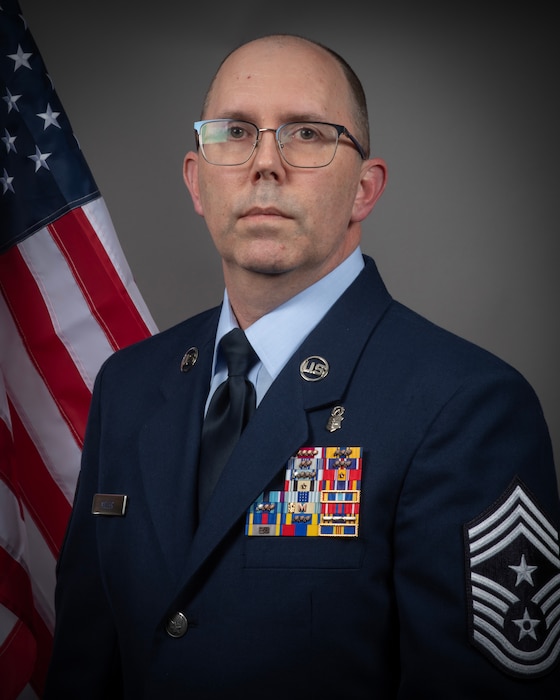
[(386, 527)]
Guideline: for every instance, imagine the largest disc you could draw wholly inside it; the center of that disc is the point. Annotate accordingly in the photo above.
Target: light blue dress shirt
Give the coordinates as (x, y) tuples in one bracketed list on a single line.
[(277, 335)]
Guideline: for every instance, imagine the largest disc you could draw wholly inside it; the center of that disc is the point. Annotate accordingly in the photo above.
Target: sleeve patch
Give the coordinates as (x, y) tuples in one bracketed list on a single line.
[(513, 584)]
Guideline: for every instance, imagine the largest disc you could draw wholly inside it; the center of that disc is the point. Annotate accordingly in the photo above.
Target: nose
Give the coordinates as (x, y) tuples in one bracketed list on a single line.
[(267, 161)]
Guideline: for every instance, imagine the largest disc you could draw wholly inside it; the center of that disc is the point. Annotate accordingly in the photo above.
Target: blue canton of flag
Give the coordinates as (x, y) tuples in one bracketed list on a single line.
[(43, 173)]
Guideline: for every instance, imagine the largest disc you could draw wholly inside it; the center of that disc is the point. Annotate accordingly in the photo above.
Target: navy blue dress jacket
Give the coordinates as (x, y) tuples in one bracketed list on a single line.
[(449, 587)]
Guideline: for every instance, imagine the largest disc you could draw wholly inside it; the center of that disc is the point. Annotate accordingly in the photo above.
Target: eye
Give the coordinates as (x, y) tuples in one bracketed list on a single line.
[(305, 132), (238, 131)]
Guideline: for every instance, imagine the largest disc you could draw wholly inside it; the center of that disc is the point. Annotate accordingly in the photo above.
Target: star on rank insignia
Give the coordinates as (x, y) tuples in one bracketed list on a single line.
[(513, 584)]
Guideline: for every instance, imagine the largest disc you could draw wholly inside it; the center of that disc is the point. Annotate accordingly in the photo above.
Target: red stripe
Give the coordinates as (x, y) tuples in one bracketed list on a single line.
[(15, 589), (106, 295), (45, 349), (41, 495)]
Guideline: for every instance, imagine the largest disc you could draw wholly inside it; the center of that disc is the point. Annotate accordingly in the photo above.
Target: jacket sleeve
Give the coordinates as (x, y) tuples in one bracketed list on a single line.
[(85, 660), (479, 507)]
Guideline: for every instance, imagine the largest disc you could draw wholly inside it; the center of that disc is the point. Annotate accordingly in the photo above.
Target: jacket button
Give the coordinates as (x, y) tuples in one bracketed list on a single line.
[(177, 625)]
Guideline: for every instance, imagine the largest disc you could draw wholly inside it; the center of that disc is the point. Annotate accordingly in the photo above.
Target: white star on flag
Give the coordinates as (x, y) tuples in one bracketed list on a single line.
[(50, 118), (9, 141), (40, 159), (20, 58), (6, 181), (11, 101)]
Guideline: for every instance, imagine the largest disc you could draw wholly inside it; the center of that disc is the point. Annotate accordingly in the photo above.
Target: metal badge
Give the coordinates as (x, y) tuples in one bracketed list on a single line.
[(109, 504), (189, 359), (335, 419), (314, 368)]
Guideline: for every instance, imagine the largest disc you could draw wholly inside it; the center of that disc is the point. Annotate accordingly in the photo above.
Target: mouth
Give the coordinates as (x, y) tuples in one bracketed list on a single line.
[(258, 212)]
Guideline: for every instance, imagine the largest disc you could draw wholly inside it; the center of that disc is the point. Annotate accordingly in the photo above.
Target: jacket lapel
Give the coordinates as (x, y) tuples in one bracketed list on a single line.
[(169, 442)]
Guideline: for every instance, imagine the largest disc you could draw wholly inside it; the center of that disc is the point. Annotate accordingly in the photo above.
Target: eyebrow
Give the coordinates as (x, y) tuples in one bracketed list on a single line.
[(287, 117)]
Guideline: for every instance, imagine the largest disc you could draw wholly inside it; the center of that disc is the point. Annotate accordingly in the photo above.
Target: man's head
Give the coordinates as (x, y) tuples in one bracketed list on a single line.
[(271, 221)]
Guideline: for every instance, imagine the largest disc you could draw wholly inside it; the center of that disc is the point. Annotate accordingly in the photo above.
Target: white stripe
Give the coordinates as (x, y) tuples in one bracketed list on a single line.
[(7, 623), (41, 565), (519, 513), (547, 588), (487, 597), (519, 530), (488, 612), (12, 528), (98, 215), (35, 406), (71, 317), (517, 495), (493, 586), (552, 642)]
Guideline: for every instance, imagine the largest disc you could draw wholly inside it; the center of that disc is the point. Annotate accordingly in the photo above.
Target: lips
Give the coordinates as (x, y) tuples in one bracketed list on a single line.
[(264, 211)]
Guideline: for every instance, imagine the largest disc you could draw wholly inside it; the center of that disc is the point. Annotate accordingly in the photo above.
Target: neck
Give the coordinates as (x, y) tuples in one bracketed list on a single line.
[(254, 295)]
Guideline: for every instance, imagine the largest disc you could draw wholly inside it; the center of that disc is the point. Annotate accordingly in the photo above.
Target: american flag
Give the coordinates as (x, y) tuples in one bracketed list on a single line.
[(67, 301)]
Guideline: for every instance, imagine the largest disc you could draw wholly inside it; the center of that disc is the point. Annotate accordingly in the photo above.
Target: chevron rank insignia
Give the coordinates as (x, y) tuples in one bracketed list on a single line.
[(320, 498), (513, 584)]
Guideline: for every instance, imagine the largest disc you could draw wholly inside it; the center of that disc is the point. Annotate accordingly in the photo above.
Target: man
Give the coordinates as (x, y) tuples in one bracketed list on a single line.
[(386, 525)]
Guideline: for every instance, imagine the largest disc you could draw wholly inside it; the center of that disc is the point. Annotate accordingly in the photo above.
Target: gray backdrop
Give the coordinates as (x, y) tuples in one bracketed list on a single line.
[(464, 109)]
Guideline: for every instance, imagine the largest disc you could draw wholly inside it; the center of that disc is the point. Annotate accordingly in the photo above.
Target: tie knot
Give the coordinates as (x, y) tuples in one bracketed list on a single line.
[(238, 353)]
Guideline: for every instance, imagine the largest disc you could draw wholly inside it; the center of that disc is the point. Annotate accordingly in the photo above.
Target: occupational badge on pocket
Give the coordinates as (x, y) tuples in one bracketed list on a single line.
[(321, 496), (513, 584)]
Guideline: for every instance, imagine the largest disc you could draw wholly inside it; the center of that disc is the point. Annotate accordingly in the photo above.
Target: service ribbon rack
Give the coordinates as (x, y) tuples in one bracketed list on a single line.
[(321, 497)]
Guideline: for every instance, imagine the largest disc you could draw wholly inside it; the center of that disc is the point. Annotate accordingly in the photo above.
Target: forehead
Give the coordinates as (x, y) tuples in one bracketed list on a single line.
[(283, 78)]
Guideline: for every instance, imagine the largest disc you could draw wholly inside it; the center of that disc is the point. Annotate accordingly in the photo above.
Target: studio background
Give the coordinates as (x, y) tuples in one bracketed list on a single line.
[(463, 107)]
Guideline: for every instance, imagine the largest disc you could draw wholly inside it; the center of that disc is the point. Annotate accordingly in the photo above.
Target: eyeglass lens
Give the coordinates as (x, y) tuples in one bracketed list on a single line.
[(302, 144)]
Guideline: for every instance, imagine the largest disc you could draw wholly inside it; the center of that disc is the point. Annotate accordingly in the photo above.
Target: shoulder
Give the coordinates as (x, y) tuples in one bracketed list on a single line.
[(411, 335), (151, 355)]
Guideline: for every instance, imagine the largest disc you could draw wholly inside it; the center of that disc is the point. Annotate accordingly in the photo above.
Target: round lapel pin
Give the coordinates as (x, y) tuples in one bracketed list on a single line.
[(314, 368), (189, 359)]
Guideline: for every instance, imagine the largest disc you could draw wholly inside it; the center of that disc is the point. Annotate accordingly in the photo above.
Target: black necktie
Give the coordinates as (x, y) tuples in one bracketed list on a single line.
[(231, 407)]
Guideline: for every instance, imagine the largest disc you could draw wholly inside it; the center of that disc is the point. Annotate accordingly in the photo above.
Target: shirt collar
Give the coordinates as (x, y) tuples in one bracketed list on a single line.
[(277, 335)]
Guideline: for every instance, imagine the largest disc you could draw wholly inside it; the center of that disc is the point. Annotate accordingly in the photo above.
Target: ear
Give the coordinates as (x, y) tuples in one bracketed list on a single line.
[(372, 183), (190, 176)]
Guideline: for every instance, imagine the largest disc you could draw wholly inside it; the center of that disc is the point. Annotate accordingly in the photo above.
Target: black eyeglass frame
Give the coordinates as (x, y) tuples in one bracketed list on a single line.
[(340, 130)]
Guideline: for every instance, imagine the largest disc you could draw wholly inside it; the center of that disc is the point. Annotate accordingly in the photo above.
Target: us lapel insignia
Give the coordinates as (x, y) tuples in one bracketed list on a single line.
[(513, 584), (321, 496)]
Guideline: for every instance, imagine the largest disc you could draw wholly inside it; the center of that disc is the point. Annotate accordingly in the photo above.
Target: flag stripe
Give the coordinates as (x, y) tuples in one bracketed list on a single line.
[(100, 220), (15, 588), (36, 408), (101, 286), (40, 494), (42, 343), (18, 656), (75, 326)]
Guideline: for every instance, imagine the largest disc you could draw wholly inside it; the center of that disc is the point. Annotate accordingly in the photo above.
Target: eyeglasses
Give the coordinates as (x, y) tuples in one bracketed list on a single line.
[(301, 144)]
